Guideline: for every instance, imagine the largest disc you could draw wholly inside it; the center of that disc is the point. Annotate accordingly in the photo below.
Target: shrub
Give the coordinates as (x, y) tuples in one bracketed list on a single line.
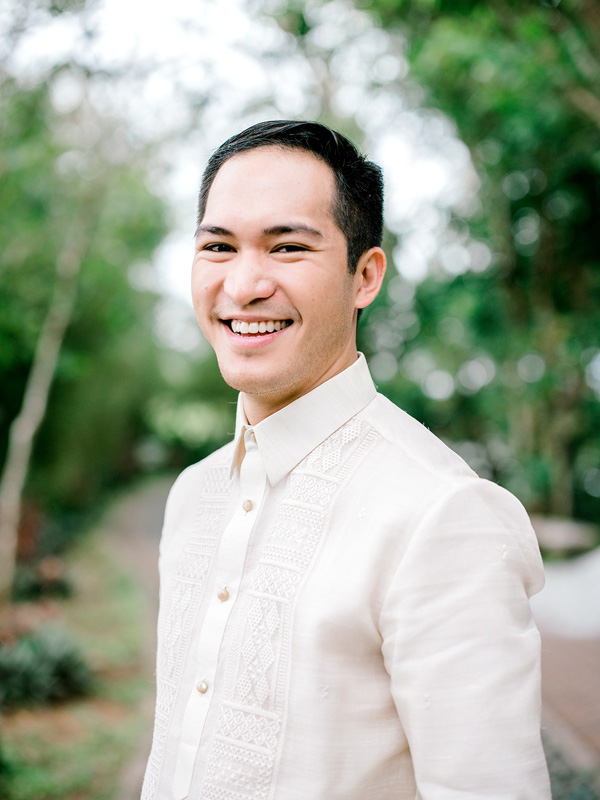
[(40, 668), (46, 579), (5, 772)]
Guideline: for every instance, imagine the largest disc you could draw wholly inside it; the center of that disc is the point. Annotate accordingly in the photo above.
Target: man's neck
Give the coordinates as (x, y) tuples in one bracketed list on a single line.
[(259, 407)]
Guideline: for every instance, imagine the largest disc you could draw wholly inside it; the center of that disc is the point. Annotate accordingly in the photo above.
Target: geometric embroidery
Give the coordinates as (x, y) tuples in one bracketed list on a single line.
[(312, 489), (236, 774), (276, 581), (255, 729), (294, 538), (254, 683), (250, 727), (183, 599)]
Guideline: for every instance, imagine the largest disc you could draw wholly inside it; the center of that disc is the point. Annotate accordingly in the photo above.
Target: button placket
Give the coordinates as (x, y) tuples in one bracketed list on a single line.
[(252, 474), (230, 562)]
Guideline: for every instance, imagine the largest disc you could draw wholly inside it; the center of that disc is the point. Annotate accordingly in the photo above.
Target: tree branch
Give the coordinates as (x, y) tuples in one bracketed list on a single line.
[(35, 398)]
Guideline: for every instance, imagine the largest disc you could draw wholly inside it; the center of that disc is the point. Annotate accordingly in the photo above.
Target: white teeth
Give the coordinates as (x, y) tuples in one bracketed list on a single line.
[(266, 326)]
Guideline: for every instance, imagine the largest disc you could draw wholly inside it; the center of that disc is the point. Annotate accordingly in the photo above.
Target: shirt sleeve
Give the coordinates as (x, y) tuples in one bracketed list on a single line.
[(463, 652)]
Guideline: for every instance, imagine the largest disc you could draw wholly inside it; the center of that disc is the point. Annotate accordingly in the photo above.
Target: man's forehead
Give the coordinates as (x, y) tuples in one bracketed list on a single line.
[(288, 174), (299, 159)]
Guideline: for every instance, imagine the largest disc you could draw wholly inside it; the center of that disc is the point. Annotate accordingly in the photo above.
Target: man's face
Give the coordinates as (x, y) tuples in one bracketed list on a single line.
[(270, 282)]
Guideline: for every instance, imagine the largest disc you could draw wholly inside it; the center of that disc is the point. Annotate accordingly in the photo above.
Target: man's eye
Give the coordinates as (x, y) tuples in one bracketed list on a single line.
[(290, 248), (219, 247)]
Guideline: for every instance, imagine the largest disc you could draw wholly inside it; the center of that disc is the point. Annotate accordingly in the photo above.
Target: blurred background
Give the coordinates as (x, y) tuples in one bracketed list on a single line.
[(486, 119)]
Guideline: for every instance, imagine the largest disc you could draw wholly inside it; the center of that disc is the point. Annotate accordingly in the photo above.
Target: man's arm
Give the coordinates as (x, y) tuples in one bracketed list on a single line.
[(463, 652)]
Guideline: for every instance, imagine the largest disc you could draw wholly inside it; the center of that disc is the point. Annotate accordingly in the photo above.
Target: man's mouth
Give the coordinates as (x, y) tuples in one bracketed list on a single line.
[(243, 328)]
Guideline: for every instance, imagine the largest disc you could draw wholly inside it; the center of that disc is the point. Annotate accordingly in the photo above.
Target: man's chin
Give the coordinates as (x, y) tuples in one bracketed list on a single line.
[(251, 382)]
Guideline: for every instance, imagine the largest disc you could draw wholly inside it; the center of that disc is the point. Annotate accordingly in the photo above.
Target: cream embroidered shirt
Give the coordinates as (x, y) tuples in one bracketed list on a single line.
[(345, 616)]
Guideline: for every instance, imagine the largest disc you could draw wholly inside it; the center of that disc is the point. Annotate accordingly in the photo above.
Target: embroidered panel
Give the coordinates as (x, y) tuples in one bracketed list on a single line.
[(184, 598), (244, 758), (236, 773), (260, 730)]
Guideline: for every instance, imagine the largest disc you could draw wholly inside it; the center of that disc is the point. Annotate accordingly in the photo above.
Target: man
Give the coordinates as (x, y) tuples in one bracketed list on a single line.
[(344, 603)]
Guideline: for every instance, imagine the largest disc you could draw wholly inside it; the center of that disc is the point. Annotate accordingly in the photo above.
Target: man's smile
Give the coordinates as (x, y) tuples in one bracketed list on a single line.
[(244, 328)]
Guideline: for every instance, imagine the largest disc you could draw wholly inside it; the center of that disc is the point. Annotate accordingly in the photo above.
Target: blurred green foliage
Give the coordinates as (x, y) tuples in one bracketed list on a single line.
[(503, 359), (521, 82), (518, 340), (44, 579), (109, 360), (40, 668), (194, 413), (78, 749)]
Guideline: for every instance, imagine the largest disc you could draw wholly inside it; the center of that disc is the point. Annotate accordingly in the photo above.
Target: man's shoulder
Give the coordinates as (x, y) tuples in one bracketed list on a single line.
[(417, 472), (413, 446)]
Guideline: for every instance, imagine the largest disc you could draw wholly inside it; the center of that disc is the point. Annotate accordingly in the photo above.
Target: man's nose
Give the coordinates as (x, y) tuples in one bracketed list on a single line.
[(248, 279)]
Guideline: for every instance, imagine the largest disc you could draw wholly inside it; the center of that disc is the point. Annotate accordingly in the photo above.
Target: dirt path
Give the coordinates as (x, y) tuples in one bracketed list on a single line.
[(133, 526)]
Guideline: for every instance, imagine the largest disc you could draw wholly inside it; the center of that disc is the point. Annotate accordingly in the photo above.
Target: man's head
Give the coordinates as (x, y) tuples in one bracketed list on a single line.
[(271, 283), (358, 201)]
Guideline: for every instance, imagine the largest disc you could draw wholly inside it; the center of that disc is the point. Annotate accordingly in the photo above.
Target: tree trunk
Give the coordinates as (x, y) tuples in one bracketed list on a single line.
[(35, 400)]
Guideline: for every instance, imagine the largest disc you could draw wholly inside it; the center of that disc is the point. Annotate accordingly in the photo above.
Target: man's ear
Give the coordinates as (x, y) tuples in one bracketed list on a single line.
[(369, 276)]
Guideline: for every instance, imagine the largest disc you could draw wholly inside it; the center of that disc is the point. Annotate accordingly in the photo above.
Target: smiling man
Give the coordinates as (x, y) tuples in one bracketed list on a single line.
[(344, 603), (271, 286)]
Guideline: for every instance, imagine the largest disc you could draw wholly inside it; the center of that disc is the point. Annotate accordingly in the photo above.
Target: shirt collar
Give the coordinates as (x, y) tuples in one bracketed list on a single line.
[(290, 434)]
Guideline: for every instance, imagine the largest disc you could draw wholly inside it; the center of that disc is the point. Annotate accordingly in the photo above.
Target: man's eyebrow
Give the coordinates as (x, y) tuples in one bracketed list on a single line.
[(214, 229), (275, 230), (279, 230)]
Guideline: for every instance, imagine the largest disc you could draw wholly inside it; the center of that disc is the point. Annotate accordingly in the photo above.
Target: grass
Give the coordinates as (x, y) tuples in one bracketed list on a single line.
[(76, 751), (106, 611)]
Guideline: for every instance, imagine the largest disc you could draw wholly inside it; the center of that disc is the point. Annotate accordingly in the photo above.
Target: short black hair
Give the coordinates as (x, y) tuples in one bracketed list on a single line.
[(358, 205)]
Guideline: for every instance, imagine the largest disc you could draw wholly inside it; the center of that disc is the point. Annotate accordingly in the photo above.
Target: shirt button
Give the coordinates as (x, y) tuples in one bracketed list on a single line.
[(202, 687), (223, 595), (247, 505)]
